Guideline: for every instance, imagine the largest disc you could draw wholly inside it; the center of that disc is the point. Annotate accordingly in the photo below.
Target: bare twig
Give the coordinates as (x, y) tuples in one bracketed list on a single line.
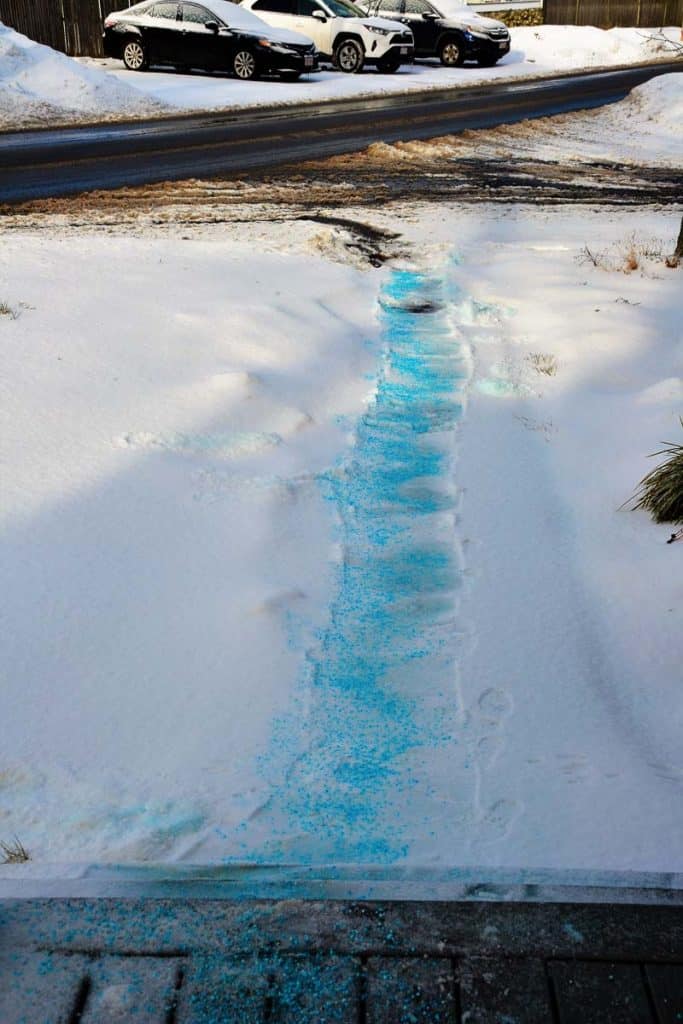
[(14, 852), (665, 43), (586, 256)]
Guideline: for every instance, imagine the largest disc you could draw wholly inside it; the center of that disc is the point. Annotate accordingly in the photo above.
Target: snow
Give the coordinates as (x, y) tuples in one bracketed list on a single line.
[(645, 127), (656, 110), (311, 563), (172, 545), (39, 86), (159, 517), (594, 733), (565, 47)]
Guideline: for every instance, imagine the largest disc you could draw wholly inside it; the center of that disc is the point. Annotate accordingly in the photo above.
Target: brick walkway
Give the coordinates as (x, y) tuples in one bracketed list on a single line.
[(177, 961)]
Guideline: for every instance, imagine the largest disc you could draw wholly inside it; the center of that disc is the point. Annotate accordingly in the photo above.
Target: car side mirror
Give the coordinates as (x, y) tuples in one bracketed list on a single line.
[(319, 15), (212, 26), (429, 15)]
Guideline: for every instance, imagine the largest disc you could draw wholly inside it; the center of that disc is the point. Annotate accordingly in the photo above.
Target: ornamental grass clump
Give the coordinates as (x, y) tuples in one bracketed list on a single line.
[(661, 491)]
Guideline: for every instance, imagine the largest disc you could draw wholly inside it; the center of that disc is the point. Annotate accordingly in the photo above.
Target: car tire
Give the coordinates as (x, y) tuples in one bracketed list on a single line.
[(349, 56), (244, 65), (388, 65), (451, 53), (134, 55)]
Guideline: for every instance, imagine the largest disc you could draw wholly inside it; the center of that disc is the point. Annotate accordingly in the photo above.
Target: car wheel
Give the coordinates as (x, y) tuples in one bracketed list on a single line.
[(135, 55), (244, 65), (349, 56), (451, 53), (388, 65)]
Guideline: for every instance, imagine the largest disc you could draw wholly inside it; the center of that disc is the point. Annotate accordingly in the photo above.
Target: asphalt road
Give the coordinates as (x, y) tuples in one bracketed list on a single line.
[(61, 162)]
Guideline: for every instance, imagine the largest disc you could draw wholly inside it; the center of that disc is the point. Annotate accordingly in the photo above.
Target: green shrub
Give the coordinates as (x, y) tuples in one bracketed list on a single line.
[(661, 491)]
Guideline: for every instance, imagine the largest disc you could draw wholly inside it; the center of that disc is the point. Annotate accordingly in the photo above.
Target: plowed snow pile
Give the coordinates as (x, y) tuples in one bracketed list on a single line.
[(658, 103), (564, 47), (39, 85), (643, 128)]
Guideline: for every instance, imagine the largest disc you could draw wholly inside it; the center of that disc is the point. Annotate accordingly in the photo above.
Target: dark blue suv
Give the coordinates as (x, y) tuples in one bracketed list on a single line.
[(454, 36)]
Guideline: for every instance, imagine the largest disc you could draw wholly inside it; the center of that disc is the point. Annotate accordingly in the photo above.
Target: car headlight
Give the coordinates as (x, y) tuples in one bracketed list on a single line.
[(265, 42), (475, 30), (379, 31)]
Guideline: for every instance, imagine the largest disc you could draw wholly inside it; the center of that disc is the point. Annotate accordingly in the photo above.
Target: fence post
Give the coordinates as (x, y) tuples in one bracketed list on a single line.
[(64, 32)]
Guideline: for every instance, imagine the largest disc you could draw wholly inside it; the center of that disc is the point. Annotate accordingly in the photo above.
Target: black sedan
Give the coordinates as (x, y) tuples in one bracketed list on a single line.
[(215, 35)]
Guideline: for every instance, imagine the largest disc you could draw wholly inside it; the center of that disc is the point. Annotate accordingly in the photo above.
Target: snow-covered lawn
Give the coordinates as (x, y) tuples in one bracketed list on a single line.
[(248, 614), (168, 405), (40, 86)]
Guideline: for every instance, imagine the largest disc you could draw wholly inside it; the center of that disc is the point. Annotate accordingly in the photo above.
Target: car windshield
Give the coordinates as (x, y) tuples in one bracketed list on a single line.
[(343, 9), (454, 9)]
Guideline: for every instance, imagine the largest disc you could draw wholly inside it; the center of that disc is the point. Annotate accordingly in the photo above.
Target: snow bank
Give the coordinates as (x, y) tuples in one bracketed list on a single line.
[(39, 85), (656, 105), (643, 128), (564, 47)]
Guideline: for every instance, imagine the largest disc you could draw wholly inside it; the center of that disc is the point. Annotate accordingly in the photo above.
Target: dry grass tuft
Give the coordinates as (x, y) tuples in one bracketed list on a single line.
[(631, 261), (661, 491), (634, 253), (6, 310), (543, 362), (13, 852)]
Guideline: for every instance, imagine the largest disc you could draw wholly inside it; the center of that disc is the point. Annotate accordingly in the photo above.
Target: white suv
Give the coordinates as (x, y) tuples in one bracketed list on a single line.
[(341, 32)]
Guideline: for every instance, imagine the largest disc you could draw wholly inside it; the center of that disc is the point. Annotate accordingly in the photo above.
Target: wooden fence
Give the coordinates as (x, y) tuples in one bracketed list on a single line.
[(75, 26), (610, 13), (72, 26)]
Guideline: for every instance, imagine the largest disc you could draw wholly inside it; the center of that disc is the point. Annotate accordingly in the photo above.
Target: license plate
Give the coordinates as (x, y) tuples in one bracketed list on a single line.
[(308, 62), (404, 51), (502, 46)]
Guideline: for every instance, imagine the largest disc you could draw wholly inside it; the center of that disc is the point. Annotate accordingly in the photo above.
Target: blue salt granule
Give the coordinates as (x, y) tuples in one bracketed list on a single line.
[(350, 735)]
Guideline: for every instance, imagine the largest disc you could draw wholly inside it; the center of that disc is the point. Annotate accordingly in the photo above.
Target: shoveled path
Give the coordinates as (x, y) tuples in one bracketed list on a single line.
[(60, 162), (175, 961)]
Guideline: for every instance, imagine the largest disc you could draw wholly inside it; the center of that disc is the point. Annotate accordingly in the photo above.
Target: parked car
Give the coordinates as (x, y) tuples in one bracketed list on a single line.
[(341, 31), (450, 32), (214, 34)]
